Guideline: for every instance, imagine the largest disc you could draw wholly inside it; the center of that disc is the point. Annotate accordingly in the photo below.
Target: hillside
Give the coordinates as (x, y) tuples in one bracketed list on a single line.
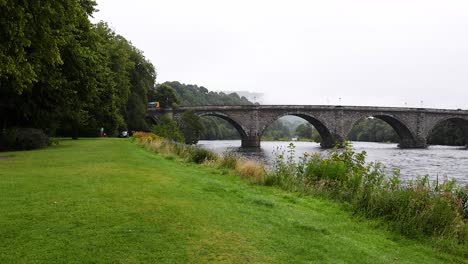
[(192, 95)]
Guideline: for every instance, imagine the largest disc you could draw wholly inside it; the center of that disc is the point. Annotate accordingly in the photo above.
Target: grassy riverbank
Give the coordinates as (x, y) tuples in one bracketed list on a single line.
[(111, 201)]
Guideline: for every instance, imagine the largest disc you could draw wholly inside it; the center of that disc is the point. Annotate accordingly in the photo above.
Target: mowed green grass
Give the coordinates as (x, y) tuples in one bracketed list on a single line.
[(111, 201)]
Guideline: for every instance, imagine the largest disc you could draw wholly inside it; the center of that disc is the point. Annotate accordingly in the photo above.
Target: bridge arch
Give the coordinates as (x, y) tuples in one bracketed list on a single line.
[(328, 139), (459, 122), (406, 135), (241, 130)]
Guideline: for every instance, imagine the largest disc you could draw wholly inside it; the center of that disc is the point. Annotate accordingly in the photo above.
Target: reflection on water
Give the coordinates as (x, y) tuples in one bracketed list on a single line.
[(434, 161)]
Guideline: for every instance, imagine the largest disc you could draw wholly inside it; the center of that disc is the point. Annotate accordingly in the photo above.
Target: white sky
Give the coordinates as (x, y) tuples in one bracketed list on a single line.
[(366, 52)]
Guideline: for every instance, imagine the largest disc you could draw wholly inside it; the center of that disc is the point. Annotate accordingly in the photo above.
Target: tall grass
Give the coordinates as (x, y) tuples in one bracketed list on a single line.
[(251, 170), (414, 208)]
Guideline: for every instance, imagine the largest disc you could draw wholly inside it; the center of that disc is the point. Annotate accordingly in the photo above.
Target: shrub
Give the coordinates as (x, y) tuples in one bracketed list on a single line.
[(462, 201), (199, 155), (23, 139), (82, 132), (285, 169), (144, 137), (168, 129), (228, 160)]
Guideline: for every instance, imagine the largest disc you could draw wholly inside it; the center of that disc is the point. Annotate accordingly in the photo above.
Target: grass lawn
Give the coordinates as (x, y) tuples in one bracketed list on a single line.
[(110, 201)]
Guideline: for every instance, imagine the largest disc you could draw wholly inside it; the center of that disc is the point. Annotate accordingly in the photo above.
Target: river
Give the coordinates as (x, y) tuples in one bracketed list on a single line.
[(435, 161)]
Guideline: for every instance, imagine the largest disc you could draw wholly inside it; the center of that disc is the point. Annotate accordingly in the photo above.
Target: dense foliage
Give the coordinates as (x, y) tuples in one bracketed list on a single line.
[(217, 128), (166, 96), (168, 128), (191, 127), (373, 130), (23, 139), (448, 133), (288, 127), (377, 130), (193, 95), (280, 129), (58, 70)]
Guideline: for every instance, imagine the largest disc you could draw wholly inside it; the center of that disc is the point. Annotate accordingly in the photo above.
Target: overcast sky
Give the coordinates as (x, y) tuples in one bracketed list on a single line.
[(366, 52)]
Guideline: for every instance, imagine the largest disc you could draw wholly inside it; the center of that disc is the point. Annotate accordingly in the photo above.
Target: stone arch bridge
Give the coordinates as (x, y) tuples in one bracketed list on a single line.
[(413, 125)]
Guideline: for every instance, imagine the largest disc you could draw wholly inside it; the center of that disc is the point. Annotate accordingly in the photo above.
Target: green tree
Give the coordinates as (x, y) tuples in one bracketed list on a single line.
[(278, 130), (191, 127), (166, 96), (191, 95), (123, 100), (304, 131), (59, 70), (373, 130), (142, 80), (217, 128), (33, 36), (316, 136), (36, 39), (449, 133), (168, 129)]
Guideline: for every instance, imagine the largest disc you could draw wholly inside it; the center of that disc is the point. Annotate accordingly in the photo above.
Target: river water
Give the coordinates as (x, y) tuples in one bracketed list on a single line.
[(435, 161)]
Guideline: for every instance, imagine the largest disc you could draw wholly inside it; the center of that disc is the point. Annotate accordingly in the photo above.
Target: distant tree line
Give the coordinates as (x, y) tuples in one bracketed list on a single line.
[(60, 71), (289, 127), (193, 95), (377, 130), (373, 130), (447, 133)]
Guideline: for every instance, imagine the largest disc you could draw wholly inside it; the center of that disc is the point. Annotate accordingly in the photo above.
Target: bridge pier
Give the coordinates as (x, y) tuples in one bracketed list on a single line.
[(406, 143), (328, 143), (251, 142)]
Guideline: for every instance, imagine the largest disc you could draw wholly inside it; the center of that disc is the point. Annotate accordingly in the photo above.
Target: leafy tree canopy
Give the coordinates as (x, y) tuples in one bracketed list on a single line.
[(191, 127), (59, 70), (166, 96), (192, 95), (168, 128), (373, 130)]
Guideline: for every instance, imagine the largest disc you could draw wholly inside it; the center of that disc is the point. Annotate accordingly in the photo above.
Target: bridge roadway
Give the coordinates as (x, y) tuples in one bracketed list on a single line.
[(413, 125)]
